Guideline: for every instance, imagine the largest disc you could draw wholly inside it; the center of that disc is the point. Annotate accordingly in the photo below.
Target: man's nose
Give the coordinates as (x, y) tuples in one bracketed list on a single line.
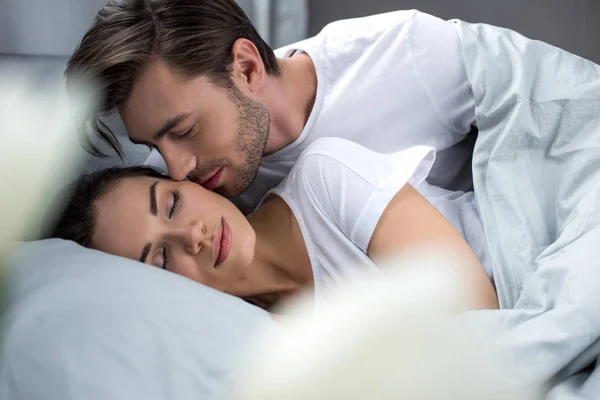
[(180, 164)]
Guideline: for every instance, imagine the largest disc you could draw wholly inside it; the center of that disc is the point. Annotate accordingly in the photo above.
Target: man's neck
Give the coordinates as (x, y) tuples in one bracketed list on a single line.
[(290, 99)]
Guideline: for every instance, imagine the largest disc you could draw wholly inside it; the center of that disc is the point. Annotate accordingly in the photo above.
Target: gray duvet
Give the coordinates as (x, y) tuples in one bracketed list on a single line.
[(536, 171)]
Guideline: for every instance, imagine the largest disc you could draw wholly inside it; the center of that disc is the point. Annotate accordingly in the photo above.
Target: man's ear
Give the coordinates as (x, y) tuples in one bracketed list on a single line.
[(247, 69)]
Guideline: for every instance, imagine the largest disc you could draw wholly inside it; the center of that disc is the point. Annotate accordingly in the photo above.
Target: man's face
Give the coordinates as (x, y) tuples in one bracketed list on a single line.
[(215, 136)]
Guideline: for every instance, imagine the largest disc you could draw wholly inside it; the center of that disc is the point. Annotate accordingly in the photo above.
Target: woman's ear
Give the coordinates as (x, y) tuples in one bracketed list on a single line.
[(248, 69)]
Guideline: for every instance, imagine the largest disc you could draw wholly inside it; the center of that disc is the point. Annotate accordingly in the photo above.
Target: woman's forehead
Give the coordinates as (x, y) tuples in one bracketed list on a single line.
[(123, 218)]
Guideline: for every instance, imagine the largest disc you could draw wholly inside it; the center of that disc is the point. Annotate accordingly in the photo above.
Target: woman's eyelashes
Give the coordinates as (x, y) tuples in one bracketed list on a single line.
[(165, 264), (176, 196), (170, 212)]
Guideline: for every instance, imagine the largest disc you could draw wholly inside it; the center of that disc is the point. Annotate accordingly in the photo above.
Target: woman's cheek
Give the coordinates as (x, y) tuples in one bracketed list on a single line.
[(183, 265)]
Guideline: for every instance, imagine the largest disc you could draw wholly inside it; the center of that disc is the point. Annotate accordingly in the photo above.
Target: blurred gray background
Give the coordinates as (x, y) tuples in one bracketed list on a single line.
[(39, 35), (573, 25)]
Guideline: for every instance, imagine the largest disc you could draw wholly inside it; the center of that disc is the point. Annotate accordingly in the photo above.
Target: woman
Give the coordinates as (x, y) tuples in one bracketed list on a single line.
[(341, 208)]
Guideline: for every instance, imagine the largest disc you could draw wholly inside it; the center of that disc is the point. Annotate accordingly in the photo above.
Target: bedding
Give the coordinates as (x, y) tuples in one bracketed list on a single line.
[(88, 325), (536, 172)]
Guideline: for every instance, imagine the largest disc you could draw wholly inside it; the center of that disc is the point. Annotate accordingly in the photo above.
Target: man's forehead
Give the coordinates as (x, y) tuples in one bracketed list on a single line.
[(158, 78), (152, 95), (157, 97)]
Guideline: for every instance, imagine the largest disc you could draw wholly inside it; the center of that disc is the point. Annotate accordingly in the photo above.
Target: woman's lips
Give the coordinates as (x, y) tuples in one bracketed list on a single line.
[(213, 181), (217, 243), (222, 243)]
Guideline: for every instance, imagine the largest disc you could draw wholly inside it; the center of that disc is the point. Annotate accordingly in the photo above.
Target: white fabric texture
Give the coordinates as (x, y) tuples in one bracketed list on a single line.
[(536, 171), (380, 85), (87, 325), (338, 191)]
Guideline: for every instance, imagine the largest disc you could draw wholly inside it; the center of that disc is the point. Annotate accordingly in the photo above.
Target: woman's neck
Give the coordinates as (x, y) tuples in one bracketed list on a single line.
[(280, 267)]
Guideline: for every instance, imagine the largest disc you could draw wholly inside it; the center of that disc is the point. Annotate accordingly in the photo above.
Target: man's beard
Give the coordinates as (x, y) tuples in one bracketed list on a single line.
[(254, 123)]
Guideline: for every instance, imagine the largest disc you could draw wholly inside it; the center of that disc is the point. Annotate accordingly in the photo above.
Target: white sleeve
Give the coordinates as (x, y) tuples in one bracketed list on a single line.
[(438, 57), (352, 185)]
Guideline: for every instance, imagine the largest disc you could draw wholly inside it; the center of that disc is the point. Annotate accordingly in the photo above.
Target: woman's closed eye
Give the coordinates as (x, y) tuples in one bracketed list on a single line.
[(162, 258), (165, 263), (176, 196)]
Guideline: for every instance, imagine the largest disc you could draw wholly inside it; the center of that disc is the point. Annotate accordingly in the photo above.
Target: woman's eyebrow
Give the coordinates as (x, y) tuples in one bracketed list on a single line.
[(145, 252), (153, 203)]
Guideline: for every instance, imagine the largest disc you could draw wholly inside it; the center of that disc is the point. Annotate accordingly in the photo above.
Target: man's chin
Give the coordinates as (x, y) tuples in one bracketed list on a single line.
[(227, 191)]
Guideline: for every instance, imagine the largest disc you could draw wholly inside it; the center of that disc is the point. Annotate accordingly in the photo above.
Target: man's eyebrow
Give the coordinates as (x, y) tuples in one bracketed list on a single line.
[(153, 202), (170, 124), (145, 252)]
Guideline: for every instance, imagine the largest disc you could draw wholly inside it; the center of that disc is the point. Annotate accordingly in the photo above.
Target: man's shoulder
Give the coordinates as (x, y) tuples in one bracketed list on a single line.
[(349, 30), (368, 24)]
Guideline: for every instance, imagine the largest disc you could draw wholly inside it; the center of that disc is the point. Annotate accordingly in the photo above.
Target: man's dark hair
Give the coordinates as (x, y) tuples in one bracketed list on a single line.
[(193, 37)]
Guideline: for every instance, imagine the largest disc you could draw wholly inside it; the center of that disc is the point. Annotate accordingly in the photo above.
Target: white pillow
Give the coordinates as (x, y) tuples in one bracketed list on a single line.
[(87, 325)]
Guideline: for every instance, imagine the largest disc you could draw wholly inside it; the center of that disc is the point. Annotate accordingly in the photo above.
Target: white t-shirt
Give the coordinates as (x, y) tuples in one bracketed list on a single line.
[(388, 82), (338, 190)]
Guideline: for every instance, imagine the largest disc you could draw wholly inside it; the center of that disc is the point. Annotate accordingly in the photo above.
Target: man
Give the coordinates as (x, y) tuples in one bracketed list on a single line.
[(194, 80)]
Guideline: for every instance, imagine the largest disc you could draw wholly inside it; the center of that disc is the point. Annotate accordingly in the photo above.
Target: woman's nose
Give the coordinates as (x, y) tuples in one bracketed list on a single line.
[(192, 236)]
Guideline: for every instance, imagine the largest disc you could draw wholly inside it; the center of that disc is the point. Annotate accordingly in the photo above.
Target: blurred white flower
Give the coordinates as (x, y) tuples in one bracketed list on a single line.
[(39, 151), (390, 338)]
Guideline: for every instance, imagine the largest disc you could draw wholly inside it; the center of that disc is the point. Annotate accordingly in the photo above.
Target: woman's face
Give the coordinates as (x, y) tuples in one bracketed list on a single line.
[(178, 226)]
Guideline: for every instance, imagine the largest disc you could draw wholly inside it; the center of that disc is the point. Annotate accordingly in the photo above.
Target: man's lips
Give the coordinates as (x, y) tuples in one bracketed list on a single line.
[(212, 181)]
